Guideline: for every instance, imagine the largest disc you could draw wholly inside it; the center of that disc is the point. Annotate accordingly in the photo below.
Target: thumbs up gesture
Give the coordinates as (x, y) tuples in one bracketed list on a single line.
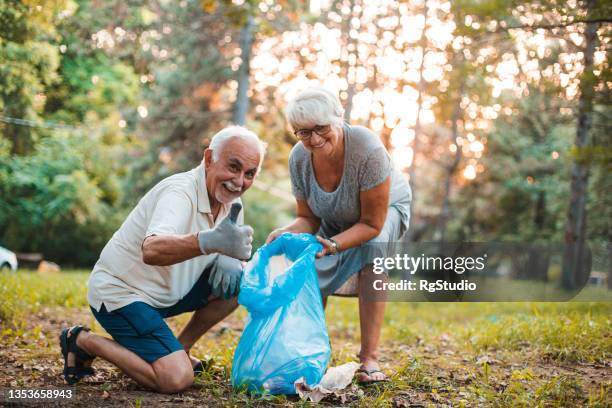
[(228, 238)]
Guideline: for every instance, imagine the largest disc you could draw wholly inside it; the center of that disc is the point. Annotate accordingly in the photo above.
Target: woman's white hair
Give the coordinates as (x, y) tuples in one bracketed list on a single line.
[(224, 135), (314, 106)]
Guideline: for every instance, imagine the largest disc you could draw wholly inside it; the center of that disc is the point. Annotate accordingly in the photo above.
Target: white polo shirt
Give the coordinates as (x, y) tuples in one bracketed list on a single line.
[(176, 205)]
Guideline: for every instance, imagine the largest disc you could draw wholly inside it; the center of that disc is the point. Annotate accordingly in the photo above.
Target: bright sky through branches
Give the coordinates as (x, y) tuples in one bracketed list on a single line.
[(376, 51), (373, 51)]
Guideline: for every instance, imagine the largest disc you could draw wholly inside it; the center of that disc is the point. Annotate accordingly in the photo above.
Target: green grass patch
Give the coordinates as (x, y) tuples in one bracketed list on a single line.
[(455, 354), (25, 292)]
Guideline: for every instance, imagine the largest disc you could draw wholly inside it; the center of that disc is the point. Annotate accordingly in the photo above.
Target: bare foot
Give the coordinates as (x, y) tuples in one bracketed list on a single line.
[(369, 372)]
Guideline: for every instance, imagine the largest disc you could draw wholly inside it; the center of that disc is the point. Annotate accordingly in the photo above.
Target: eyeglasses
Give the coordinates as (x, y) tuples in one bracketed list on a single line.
[(305, 134)]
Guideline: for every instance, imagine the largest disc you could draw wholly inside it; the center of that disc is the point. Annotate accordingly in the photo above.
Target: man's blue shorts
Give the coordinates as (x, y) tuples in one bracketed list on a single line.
[(141, 328)]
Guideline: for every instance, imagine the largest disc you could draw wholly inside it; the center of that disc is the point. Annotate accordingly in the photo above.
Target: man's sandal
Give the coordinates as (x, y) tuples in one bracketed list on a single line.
[(75, 373), (363, 370), (198, 368)]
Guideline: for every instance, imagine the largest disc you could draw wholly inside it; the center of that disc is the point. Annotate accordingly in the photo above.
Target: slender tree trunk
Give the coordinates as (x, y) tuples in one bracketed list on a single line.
[(538, 262), (451, 169), (351, 66), (574, 259), (241, 106), (609, 266), (539, 217), (417, 125)]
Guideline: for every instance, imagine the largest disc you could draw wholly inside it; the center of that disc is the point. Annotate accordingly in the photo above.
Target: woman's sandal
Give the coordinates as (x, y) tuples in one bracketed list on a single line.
[(75, 373), (363, 370)]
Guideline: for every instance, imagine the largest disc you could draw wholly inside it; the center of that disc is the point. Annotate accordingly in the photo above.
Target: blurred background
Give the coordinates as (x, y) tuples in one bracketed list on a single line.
[(498, 112)]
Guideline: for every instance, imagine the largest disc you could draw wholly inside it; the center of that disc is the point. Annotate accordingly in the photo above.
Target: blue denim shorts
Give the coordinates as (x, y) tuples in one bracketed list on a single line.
[(141, 328)]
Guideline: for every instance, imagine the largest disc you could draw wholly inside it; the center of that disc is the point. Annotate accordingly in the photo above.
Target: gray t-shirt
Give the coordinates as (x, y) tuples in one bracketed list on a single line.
[(366, 165)]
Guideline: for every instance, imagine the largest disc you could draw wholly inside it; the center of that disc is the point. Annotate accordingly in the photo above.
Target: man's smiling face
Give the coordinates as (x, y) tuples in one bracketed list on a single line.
[(233, 172)]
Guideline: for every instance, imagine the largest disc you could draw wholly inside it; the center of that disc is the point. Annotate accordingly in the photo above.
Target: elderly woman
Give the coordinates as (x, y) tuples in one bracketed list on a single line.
[(349, 194)]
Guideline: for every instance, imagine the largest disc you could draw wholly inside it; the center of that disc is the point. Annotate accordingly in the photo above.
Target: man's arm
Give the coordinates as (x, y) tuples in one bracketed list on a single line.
[(170, 249), (226, 238)]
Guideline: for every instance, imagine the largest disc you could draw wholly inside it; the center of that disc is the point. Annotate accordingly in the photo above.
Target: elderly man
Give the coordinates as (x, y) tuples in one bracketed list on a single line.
[(179, 250)]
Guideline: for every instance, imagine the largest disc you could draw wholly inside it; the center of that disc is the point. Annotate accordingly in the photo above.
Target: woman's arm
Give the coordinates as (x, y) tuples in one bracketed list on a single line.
[(374, 204), (305, 221)]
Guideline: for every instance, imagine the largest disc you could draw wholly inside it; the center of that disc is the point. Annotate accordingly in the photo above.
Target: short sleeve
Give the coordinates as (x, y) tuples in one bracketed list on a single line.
[(171, 215), (375, 170), (297, 182)]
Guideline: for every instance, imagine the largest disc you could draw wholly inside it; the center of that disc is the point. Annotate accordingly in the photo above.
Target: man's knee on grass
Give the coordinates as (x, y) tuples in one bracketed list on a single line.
[(173, 373)]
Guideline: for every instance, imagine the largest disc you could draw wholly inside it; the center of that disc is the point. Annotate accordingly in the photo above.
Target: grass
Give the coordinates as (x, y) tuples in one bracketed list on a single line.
[(438, 354), (24, 293)]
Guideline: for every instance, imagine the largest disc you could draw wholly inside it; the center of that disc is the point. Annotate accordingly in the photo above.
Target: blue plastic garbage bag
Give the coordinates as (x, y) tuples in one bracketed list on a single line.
[(286, 336)]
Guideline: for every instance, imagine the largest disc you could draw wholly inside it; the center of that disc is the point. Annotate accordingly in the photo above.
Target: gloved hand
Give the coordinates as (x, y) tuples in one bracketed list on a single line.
[(228, 238), (225, 277)]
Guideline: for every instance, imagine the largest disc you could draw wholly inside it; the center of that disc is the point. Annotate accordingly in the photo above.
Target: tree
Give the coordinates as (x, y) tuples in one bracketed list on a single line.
[(241, 106), (29, 65), (60, 160), (575, 255)]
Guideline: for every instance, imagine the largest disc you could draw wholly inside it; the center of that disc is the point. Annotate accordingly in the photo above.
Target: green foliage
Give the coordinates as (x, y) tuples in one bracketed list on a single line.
[(60, 188), (92, 85), (58, 200), (264, 214), (522, 194), (29, 64)]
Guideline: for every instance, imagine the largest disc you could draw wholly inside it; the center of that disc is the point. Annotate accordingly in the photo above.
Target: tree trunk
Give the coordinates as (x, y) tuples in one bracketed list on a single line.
[(350, 67), (609, 266), (538, 263), (242, 100), (417, 125), (574, 252), (540, 211), (450, 171)]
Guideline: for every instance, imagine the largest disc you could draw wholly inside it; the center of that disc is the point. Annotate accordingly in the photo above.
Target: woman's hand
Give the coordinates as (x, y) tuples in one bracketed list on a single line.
[(275, 234), (306, 222), (328, 247)]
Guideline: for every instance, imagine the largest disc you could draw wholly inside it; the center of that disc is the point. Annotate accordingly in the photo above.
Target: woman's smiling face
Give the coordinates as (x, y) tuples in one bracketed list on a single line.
[(319, 139)]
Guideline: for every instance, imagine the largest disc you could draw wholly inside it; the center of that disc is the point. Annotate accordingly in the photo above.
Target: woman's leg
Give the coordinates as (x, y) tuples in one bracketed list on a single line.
[(371, 317)]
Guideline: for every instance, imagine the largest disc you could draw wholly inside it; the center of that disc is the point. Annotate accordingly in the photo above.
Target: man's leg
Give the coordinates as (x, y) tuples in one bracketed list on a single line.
[(203, 319), (371, 317), (171, 373)]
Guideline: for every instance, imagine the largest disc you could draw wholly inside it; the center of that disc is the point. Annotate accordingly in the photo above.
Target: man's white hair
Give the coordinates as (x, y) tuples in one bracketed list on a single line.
[(314, 106), (224, 135)]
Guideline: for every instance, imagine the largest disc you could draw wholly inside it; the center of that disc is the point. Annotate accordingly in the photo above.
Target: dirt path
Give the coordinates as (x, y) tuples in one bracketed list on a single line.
[(36, 362)]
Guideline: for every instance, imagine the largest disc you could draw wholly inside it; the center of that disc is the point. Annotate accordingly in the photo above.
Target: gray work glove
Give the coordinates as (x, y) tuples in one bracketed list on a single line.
[(225, 277), (228, 238)]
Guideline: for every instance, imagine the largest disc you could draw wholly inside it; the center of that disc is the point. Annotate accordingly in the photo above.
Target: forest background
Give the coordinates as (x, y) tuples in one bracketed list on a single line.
[(498, 112)]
